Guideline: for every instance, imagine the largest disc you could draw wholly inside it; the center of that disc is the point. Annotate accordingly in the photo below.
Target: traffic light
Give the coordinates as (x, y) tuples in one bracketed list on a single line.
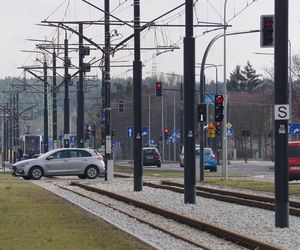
[(267, 29), (218, 128), (158, 89), (166, 133), (202, 112), (211, 132), (121, 105), (219, 108), (113, 132)]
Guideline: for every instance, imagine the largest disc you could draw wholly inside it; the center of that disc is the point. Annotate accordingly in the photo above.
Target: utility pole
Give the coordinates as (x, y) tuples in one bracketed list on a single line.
[(10, 131), (54, 104), (45, 108), (66, 99), (106, 72), (14, 126), (137, 100), (281, 125), (80, 93), (189, 99)]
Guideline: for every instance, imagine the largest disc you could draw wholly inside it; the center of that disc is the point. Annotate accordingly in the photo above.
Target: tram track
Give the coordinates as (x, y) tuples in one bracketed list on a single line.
[(236, 238), (250, 200)]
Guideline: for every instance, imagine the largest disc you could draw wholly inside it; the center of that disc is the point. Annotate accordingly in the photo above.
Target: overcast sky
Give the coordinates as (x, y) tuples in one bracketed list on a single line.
[(18, 21)]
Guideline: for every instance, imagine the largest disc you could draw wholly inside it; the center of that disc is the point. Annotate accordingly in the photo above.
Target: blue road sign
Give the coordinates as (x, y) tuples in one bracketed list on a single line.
[(73, 138), (294, 129), (210, 99), (229, 132), (130, 132), (145, 131)]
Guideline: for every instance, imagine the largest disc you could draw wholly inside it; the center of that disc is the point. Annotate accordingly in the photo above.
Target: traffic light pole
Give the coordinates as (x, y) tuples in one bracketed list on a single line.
[(80, 93)]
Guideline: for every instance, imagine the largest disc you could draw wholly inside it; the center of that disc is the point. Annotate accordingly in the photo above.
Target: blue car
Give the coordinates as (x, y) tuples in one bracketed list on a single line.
[(210, 161)]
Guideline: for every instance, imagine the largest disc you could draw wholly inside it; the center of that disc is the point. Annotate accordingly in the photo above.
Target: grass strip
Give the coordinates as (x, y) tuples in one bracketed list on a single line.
[(33, 218)]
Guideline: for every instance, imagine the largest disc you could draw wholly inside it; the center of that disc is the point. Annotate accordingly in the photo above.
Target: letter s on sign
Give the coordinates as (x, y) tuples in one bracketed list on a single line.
[(281, 112)]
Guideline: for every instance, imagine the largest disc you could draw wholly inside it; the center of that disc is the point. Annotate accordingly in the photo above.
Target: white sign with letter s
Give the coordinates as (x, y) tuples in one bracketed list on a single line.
[(282, 111)]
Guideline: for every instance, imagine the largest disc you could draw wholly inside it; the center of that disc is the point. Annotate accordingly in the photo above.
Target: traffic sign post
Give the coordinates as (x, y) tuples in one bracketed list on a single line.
[(281, 114), (130, 132)]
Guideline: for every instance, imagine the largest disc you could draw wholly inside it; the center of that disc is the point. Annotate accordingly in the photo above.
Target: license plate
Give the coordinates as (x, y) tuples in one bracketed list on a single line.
[(149, 157)]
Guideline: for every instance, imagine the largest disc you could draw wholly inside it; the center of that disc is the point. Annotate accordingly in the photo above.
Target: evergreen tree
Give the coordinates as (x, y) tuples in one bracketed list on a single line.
[(245, 80), (236, 80), (252, 79)]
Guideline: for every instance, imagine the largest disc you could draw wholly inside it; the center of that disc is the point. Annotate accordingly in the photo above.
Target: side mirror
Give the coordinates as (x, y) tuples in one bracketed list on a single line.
[(50, 158)]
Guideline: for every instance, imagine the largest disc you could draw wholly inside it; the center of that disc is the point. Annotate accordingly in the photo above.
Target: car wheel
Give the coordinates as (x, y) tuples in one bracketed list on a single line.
[(91, 172), (36, 173), (26, 177), (158, 165), (82, 176)]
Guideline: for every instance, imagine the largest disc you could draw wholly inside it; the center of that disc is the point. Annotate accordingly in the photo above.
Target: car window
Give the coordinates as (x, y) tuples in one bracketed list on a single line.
[(293, 151), (83, 153), (207, 151), (150, 151), (61, 154)]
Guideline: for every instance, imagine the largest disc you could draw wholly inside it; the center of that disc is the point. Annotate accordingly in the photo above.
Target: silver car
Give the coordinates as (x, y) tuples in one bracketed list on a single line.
[(85, 163)]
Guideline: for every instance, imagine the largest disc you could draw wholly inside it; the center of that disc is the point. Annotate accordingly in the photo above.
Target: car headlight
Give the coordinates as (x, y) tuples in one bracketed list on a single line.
[(22, 165)]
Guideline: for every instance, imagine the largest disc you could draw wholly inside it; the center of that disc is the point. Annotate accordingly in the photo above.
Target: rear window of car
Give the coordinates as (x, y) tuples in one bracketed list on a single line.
[(151, 151), (207, 151), (294, 151)]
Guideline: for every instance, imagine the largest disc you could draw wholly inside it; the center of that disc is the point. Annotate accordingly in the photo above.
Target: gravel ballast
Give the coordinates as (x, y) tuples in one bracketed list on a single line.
[(252, 222)]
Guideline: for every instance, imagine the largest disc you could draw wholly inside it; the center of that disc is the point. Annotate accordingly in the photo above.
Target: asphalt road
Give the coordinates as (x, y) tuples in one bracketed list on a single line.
[(257, 169)]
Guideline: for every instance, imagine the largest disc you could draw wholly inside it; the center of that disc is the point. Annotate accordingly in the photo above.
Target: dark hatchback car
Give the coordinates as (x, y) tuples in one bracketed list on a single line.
[(151, 157)]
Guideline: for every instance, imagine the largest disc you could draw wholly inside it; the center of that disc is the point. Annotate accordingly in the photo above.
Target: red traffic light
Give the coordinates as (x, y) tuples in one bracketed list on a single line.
[(166, 130), (158, 89), (219, 99), (121, 105)]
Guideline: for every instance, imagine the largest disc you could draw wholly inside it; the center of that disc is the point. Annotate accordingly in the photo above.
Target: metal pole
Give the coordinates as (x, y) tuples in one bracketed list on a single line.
[(149, 117), (108, 150), (189, 99), (80, 93), (224, 132), (137, 100), (66, 98), (174, 128), (45, 108), (281, 126), (54, 104), (162, 130), (290, 83), (181, 115)]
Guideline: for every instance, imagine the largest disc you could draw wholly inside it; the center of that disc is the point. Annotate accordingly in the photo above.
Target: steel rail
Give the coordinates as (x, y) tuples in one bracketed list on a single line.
[(234, 237)]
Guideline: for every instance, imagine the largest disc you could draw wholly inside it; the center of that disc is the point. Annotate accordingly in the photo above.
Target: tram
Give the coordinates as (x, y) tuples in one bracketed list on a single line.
[(31, 145)]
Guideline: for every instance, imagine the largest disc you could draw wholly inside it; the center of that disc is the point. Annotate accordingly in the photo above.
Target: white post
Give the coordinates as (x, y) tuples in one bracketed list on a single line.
[(224, 134)]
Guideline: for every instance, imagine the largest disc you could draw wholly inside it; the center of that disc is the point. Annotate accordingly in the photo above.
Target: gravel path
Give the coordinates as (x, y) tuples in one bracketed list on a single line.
[(252, 222)]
